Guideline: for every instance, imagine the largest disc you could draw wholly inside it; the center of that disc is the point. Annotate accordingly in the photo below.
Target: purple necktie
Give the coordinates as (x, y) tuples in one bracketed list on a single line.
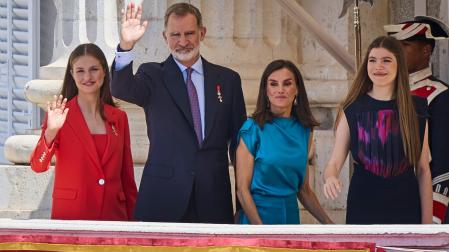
[(194, 106)]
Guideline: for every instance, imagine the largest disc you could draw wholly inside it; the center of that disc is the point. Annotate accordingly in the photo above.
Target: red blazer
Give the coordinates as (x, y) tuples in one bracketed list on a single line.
[(85, 187)]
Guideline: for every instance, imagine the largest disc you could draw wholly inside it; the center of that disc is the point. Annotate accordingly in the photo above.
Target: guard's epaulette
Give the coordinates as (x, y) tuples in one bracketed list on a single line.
[(432, 78), (429, 88)]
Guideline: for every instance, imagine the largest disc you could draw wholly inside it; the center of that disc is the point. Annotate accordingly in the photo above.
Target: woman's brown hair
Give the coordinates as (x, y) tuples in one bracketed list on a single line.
[(408, 121), (69, 89), (300, 110)]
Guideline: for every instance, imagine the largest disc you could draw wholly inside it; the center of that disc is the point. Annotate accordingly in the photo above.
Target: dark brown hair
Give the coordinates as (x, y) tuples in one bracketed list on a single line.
[(69, 89), (182, 9), (300, 110), (362, 84)]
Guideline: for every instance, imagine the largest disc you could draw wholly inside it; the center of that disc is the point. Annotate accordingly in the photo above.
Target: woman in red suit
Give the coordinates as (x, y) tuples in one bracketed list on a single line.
[(94, 176)]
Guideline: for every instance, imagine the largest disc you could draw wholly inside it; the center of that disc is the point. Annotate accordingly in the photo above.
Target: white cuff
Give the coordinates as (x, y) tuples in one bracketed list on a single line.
[(122, 59)]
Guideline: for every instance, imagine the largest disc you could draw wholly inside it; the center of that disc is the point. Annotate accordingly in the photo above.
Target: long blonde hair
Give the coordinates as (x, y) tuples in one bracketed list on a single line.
[(408, 121)]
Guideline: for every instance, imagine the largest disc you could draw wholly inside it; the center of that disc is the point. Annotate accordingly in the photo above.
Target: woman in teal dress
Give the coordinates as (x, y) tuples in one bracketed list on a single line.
[(271, 169)]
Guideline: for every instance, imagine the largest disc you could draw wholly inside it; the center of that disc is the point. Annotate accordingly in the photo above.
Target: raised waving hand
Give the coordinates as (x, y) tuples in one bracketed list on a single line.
[(132, 27), (56, 116)]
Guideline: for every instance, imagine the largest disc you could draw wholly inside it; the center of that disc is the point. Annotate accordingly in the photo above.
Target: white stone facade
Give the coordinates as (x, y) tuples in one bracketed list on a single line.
[(244, 35)]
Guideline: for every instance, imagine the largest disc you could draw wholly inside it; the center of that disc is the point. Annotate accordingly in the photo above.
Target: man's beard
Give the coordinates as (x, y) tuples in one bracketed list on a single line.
[(186, 56)]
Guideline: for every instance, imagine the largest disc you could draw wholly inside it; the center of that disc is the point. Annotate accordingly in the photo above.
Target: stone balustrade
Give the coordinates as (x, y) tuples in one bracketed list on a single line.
[(138, 236)]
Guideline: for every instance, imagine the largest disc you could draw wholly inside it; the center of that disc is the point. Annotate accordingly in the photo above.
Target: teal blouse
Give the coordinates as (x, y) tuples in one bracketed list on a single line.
[(280, 151)]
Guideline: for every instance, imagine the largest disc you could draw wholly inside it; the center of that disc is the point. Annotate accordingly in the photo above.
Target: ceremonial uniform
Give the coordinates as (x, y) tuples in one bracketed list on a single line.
[(424, 30), (424, 84)]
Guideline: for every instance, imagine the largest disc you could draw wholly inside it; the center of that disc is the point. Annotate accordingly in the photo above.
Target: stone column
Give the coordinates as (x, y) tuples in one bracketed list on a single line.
[(77, 22)]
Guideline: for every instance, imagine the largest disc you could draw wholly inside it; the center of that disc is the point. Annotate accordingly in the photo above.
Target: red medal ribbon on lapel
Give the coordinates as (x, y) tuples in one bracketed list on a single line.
[(220, 98)]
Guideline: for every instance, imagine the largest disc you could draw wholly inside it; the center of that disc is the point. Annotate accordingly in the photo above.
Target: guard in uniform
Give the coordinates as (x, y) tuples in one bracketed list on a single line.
[(418, 38)]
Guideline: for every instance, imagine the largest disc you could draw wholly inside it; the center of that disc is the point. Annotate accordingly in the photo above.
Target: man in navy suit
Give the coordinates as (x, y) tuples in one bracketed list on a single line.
[(193, 111)]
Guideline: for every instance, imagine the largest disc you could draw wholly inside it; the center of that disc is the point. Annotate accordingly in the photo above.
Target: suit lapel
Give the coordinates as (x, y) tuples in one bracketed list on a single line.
[(177, 88), (211, 78), (112, 132), (76, 121)]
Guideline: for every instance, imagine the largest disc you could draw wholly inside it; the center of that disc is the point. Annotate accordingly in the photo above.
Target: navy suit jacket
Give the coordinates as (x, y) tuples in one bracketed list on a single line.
[(176, 166)]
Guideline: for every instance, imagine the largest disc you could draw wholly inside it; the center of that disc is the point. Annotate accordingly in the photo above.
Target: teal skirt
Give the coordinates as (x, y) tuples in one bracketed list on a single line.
[(274, 210)]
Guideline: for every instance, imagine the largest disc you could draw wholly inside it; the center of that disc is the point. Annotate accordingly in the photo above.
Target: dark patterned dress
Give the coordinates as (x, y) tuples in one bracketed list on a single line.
[(383, 188)]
